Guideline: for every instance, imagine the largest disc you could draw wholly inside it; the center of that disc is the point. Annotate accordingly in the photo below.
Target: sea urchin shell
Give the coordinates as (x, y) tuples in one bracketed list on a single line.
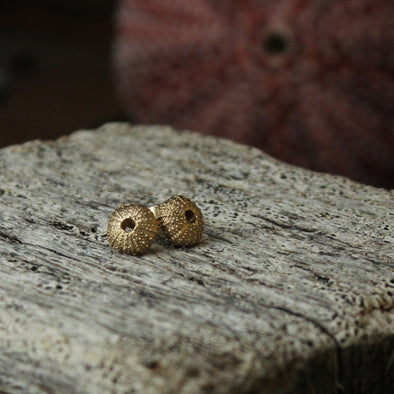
[(310, 82), (132, 229)]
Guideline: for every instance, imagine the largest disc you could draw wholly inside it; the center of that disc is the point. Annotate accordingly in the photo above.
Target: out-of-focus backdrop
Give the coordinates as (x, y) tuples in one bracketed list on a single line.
[(55, 67), (310, 82)]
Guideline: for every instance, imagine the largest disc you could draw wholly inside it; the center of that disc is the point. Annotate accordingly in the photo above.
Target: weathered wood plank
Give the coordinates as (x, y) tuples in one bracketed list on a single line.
[(291, 289)]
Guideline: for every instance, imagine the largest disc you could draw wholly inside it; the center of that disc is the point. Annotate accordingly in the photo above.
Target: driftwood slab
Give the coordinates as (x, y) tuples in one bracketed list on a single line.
[(291, 290)]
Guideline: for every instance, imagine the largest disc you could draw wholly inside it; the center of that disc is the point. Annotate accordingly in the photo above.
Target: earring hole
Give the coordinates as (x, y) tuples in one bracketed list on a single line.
[(190, 216), (128, 225)]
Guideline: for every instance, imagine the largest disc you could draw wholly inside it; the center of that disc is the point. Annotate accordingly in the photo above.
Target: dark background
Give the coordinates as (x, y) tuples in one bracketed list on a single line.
[(55, 68), (57, 76)]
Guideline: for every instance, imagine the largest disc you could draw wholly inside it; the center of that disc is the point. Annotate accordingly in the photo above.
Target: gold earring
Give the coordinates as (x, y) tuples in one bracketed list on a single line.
[(132, 229), (181, 220)]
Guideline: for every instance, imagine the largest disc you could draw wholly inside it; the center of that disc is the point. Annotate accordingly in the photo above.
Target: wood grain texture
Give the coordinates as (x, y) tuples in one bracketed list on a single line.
[(291, 289)]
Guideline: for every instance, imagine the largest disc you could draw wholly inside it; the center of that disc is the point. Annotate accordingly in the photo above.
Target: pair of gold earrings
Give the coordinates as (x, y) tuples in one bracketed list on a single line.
[(133, 228)]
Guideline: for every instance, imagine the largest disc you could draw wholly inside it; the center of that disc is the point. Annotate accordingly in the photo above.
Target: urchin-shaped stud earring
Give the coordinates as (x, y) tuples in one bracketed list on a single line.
[(181, 220), (132, 229)]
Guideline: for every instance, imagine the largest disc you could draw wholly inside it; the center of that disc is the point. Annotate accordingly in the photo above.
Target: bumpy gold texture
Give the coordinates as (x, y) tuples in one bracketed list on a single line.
[(181, 221), (132, 229)]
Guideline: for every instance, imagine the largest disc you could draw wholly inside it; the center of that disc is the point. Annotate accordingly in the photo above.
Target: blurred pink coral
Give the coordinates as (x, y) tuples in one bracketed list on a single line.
[(310, 82)]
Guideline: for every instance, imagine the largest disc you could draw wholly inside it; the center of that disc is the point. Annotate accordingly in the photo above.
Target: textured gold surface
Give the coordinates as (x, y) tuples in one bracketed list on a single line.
[(181, 221), (130, 240)]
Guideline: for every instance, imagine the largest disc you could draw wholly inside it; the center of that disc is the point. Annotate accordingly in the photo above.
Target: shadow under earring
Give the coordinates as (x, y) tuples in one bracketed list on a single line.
[(132, 229), (181, 220)]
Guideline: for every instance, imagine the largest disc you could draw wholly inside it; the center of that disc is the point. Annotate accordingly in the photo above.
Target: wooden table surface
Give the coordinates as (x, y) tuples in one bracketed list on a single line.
[(290, 291)]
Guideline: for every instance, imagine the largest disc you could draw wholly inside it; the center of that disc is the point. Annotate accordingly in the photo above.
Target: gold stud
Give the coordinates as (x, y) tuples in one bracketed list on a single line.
[(132, 229), (181, 220)]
